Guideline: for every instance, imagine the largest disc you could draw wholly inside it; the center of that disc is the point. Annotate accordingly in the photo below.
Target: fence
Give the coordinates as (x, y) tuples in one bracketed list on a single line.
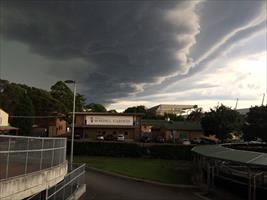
[(65, 189), (22, 155)]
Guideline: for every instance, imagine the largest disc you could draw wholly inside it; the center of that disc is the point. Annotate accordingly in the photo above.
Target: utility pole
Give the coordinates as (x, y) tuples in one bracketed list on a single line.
[(263, 99), (236, 103)]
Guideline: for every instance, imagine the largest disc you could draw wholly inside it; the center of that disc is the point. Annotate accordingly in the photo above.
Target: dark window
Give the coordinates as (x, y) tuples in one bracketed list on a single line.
[(114, 133), (104, 132), (125, 133)]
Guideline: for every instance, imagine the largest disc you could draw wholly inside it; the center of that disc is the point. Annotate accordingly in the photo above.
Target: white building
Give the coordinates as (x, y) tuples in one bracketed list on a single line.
[(4, 125), (171, 109)]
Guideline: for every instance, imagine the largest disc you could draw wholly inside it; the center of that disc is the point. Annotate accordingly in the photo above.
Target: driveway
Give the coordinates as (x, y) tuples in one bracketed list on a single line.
[(107, 187)]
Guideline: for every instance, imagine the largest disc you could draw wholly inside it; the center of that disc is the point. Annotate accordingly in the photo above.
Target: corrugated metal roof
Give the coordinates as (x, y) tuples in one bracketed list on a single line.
[(225, 153), (173, 125), (8, 128)]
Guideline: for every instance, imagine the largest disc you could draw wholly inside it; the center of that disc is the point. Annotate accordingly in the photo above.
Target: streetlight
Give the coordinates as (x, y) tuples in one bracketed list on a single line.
[(73, 118)]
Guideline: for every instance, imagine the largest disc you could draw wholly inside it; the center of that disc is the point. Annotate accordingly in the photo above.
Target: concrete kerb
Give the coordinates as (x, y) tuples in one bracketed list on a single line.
[(143, 180)]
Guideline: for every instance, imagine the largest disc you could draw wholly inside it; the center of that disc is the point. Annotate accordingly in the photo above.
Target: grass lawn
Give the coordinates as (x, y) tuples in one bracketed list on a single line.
[(166, 171)]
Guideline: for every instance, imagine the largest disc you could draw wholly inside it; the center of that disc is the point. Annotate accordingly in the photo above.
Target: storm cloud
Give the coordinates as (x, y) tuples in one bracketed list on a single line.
[(117, 49), (125, 44)]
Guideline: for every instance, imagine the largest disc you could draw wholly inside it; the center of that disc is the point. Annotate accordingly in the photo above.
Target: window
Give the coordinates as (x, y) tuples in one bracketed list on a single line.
[(104, 132), (125, 133), (114, 133)]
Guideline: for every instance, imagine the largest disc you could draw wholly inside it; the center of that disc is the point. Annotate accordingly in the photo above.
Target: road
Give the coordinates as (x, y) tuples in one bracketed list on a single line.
[(107, 187)]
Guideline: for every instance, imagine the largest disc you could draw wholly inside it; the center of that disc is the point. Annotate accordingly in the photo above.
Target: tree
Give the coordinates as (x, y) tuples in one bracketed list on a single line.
[(16, 101), (221, 121), (94, 107), (256, 123), (136, 109), (113, 111), (196, 115), (63, 93)]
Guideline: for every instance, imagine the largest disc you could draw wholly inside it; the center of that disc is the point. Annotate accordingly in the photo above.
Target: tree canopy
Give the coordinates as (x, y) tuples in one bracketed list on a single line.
[(196, 115), (94, 107), (136, 109), (64, 94), (256, 123), (222, 121), (15, 100)]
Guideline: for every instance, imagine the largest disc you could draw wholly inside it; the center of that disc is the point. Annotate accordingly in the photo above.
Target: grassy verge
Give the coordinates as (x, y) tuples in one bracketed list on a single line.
[(166, 171)]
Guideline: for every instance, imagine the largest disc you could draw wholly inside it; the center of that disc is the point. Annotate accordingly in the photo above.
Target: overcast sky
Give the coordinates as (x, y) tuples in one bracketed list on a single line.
[(125, 53)]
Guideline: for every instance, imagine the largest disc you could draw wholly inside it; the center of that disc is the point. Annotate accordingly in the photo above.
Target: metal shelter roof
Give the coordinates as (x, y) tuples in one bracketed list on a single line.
[(228, 154)]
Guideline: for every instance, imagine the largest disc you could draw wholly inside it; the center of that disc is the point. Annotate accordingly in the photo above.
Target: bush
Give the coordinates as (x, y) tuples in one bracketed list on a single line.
[(117, 149), (176, 152), (114, 149)]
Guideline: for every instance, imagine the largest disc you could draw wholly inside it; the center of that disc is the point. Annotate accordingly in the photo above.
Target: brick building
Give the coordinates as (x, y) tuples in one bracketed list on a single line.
[(51, 127), (92, 124)]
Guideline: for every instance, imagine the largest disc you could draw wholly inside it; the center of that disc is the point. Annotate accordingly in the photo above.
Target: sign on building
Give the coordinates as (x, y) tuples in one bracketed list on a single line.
[(109, 120)]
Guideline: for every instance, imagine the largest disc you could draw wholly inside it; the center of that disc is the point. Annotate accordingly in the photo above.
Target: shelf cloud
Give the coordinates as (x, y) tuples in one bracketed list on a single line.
[(116, 50)]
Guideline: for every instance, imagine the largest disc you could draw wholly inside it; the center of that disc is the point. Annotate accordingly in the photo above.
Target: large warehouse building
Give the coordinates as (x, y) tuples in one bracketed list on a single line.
[(90, 124)]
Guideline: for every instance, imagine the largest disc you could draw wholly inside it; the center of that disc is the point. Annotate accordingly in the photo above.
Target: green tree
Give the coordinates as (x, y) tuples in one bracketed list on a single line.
[(94, 107), (221, 121), (136, 109), (196, 115), (64, 94), (256, 123), (113, 111), (16, 101), (43, 102)]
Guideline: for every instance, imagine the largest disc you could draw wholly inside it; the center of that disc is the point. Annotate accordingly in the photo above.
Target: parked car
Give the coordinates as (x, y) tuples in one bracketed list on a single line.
[(146, 139), (160, 139), (120, 137), (186, 142), (77, 136), (109, 137), (100, 137), (196, 141)]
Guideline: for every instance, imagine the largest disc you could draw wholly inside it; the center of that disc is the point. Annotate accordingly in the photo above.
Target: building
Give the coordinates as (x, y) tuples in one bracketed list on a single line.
[(171, 130), (163, 109), (243, 111), (92, 124), (4, 125), (52, 126)]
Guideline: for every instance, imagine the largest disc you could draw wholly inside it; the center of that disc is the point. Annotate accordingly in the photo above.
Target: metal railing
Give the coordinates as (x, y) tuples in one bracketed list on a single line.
[(21, 155), (74, 180)]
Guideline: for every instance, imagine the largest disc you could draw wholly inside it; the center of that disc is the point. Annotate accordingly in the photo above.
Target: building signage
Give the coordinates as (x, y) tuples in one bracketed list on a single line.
[(109, 120)]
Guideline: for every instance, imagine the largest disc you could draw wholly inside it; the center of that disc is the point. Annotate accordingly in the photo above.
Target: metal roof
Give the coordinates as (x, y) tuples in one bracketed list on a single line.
[(228, 154), (173, 125)]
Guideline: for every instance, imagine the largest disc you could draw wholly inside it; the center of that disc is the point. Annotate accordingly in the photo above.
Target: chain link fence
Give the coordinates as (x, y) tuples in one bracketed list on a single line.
[(21, 155), (74, 180)]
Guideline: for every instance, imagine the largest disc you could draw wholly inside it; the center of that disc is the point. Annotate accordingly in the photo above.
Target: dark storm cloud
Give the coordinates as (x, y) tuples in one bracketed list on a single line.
[(125, 44), (115, 49)]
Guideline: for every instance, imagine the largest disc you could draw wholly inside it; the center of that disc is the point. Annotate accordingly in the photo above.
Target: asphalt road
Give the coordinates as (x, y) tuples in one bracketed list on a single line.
[(107, 187)]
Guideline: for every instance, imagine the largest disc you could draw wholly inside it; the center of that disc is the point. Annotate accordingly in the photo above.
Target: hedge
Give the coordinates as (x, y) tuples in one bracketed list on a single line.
[(120, 149), (176, 152), (115, 149)]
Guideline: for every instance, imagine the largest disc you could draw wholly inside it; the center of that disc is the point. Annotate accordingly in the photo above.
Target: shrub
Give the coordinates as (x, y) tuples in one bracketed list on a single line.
[(114, 149), (177, 152), (120, 149)]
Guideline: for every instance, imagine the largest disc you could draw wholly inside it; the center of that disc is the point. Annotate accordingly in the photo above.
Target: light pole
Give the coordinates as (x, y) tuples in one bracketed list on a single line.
[(73, 118)]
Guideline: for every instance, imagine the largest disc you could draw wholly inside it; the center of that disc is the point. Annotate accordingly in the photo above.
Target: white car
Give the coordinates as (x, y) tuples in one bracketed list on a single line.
[(100, 137), (186, 142), (120, 137)]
